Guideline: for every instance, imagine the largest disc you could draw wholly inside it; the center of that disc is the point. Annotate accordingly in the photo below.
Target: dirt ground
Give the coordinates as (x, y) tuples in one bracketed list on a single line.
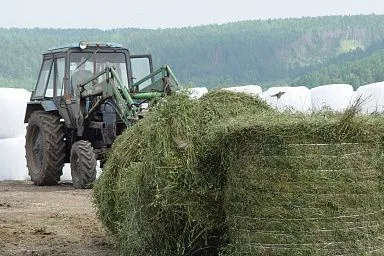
[(57, 220)]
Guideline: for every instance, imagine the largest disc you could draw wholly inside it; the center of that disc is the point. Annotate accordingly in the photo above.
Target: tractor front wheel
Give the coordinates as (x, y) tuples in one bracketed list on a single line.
[(83, 164), (44, 148)]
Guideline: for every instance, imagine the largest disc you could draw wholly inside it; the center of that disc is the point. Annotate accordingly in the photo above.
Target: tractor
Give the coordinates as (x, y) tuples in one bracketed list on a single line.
[(85, 96)]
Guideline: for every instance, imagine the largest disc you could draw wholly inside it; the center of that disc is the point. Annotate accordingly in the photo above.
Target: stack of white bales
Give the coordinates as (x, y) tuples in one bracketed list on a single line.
[(253, 90), (197, 92), (13, 103), (67, 172), (336, 97), (12, 159), (372, 97), (289, 98)]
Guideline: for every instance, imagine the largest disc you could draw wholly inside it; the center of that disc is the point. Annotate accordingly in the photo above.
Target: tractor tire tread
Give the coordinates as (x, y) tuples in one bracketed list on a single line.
[(54, 148), (85, 173)]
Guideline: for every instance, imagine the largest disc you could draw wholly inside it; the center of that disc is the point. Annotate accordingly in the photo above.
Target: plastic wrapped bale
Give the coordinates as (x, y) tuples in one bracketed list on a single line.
[(197, 92), (67, 176), (372, 97), (154, 194), (13, 103), (12, 160), (289, 98), (304, 186), (336, 97), (253, 90)]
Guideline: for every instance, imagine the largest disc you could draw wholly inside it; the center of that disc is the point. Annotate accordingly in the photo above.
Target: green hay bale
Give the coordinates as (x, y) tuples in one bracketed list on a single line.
[(227, 175), (290, 191), (152, 195)]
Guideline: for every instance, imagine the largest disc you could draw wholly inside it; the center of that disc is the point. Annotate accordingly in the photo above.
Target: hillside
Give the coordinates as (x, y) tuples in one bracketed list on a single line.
[(354, 72), (248, 52)]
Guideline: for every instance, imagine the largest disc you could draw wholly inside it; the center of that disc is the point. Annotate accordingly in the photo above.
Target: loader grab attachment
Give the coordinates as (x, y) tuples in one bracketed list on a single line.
[(162, 79), (127, 103)]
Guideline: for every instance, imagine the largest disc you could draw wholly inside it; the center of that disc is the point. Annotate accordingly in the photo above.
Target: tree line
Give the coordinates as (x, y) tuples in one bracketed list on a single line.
[(267, 52)]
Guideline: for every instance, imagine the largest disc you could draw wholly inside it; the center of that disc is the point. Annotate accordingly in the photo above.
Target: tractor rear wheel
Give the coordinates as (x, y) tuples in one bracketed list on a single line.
[(83, 164), (45, 148)]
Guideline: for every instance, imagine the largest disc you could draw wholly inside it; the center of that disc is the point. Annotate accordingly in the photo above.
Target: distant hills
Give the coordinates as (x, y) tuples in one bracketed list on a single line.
[(306, 51), (356, 68)]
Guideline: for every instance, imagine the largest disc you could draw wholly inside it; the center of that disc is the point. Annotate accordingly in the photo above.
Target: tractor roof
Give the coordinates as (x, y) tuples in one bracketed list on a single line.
[(85, 45)]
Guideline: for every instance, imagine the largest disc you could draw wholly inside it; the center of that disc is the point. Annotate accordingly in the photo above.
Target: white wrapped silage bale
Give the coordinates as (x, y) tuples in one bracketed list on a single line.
[(197, 92), (67, 172), (12, 159), (253, 90), (13, 103), (337, 97), (289, 98), (372, 97)]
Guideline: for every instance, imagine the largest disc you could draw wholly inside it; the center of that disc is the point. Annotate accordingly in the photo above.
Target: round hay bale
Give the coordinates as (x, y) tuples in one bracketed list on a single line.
[(372, 98), (152, 194), (253, 90), (13, 103), (289, 98), (197, 92), (336, 97), (13, 163)]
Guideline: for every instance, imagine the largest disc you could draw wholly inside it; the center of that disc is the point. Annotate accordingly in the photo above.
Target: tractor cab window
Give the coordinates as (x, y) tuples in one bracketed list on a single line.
[(141, 67), (43, 80), (49, 91), (81, 69), (84, 65), (60, 69), (116, 60)]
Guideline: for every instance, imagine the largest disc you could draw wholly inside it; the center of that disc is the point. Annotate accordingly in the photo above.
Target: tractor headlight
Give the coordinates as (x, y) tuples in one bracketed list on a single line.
[(83, 45)]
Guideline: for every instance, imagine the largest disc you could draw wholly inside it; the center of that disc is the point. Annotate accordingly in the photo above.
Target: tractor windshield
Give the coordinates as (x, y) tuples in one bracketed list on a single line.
[(83, 65)]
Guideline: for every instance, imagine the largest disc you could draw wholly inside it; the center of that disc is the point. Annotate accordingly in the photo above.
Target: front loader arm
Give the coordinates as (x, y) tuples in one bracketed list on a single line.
[(112, 88), (161, 79)]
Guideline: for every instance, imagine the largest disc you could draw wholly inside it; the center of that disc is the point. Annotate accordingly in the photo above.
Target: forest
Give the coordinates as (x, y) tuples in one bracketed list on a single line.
[(296, 51)]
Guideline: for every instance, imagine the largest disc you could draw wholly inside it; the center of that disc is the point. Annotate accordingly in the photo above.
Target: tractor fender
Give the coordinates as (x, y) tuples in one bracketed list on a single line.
[(46, 105)]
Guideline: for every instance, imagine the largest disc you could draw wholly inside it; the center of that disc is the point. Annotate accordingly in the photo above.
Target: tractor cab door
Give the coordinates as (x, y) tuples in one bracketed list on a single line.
[(49, 90), (51, 78), (141, 66), (44, 85)]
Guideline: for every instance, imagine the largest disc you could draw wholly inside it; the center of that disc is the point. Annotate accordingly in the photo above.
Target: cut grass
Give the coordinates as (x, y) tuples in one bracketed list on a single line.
[(228, 175)]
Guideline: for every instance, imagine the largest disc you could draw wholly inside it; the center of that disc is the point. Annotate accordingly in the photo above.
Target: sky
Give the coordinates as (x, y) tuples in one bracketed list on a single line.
[(168, 13)]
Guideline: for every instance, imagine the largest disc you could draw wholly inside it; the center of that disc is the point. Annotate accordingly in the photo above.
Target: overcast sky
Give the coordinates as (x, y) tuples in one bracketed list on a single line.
[(167, 13)]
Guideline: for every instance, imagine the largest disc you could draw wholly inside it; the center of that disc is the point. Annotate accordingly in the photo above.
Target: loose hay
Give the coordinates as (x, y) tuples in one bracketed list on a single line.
[(247, 180)]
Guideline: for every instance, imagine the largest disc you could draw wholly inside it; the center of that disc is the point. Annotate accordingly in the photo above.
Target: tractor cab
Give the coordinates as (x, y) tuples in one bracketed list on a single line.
[(63, 68)]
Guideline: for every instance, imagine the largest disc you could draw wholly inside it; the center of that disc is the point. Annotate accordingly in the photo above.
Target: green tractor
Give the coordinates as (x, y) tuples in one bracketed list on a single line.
[(85, 96)]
